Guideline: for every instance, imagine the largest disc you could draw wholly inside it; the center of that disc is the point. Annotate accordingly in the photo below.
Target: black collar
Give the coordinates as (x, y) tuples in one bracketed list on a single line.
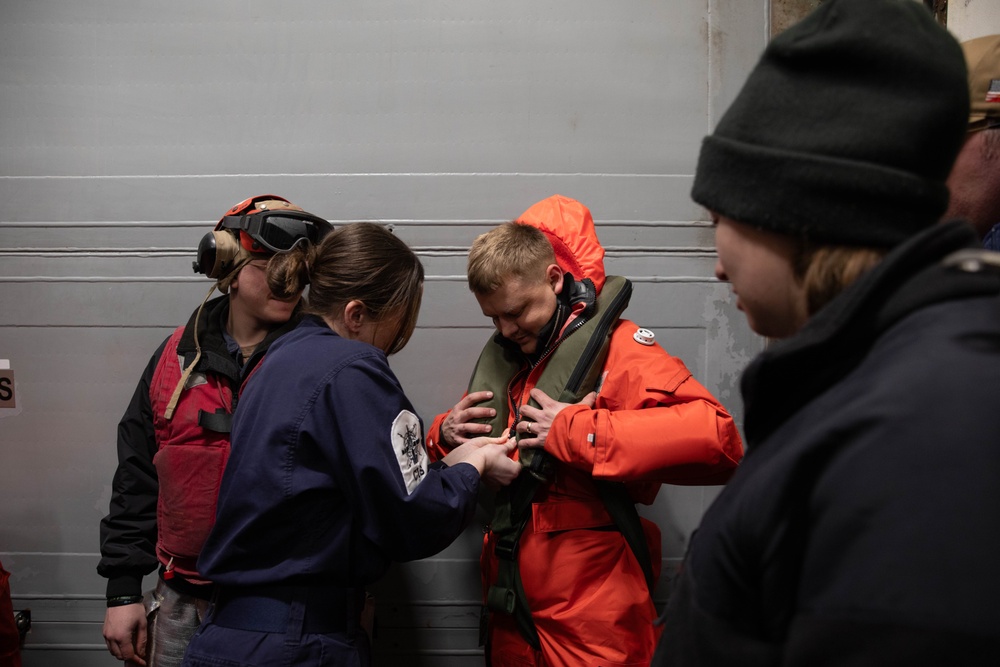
[(792, 372)]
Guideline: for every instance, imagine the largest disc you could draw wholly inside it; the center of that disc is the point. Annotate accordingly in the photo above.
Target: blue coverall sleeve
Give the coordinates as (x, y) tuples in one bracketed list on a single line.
[(408, 509)]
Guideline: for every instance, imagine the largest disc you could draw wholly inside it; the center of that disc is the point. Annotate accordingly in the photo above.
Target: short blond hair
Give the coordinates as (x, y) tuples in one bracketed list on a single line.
[(512, 250)]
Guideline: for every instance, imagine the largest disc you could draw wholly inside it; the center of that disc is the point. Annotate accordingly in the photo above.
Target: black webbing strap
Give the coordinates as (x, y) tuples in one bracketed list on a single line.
[(622, 509), (513, 510), (512, 514), (219, 421)]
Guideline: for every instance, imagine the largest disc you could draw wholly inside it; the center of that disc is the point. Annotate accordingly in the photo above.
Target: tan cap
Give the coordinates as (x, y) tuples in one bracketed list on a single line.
[(982, 56)]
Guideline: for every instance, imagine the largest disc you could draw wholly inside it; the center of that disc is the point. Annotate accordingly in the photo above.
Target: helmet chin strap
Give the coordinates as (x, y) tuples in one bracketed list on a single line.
[(243, 258), (168, 414)]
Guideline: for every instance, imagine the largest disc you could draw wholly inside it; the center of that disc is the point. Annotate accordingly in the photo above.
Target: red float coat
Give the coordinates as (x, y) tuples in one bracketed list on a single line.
[(164, 490), (653, 423), (189, 461)]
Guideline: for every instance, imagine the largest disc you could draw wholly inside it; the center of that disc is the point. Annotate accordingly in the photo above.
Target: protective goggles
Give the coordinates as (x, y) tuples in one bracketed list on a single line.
[(259, 232), (277, 231)]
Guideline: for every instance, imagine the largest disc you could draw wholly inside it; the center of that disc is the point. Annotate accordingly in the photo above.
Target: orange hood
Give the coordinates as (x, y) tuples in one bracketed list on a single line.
[(570, 229)]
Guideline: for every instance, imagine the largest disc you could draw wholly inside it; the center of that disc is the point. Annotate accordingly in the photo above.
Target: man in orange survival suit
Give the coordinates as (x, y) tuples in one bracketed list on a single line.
[(649, 422)]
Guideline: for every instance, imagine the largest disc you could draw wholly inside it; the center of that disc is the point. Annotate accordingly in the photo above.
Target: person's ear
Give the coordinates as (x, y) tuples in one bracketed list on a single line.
[(355, 314), (554, 276)]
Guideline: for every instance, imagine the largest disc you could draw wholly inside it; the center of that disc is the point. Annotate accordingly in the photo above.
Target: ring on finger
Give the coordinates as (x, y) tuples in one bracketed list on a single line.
[(527, 428)]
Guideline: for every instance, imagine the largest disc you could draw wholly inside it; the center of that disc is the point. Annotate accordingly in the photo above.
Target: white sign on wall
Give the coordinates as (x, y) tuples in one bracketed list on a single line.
[(6, 385)]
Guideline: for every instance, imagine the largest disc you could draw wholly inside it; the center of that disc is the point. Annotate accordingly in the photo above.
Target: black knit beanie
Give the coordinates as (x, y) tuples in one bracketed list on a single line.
[(845, 130)]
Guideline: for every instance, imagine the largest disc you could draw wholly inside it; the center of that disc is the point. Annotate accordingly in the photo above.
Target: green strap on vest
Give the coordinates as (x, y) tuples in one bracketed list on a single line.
[(571, 372)]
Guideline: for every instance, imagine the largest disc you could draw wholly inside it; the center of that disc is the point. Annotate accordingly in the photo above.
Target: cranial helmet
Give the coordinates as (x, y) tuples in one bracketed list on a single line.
[(256, 227)]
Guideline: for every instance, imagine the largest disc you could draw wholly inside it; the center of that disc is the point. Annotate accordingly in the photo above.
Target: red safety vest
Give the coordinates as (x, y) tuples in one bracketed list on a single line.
[(189, 460)]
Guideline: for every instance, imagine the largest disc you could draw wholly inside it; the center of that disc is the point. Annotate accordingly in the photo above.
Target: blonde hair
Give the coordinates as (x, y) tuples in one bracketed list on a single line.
[(826, 271), (361, 261), (511, 250)]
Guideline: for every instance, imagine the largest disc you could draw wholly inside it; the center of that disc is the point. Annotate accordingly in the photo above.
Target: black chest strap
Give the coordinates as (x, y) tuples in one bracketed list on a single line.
[(219, 421)]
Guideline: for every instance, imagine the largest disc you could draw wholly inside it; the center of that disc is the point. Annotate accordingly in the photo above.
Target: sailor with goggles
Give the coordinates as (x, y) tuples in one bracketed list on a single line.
[(173, 440)]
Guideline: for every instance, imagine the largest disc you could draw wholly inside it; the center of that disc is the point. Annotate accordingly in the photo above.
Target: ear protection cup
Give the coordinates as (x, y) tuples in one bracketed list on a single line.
[(256, 227), (217, 253)]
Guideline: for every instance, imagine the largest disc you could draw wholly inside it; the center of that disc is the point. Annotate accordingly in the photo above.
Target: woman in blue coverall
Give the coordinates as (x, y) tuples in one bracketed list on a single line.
[(328, 481)]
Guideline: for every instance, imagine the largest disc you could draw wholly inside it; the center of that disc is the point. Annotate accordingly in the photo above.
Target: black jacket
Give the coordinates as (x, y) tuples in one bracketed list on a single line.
[(863, 526), (128, 532)]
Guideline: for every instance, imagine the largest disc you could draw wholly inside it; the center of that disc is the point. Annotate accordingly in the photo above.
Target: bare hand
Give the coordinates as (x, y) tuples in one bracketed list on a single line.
[(491, 457), (536, 429), (500, 469), (459, 426), (125, 633)]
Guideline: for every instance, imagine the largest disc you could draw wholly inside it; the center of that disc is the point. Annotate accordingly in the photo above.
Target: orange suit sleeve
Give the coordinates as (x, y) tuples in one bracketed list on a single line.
[(652, 422)]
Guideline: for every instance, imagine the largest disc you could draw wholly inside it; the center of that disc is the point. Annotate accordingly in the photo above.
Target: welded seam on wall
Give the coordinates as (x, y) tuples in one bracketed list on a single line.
[(428, 251), (414, 222), (201, 279), (366, 174)]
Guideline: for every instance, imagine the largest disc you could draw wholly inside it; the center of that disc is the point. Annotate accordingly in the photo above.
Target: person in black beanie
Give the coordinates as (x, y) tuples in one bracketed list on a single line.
[(861, 527)]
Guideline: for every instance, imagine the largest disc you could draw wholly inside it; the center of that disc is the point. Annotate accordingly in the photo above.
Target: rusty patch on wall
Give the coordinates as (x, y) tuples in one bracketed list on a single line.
[(785, 13)]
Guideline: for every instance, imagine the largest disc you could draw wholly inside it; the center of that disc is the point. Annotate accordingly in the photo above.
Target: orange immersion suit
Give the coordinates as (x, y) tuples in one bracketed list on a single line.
[(652, 423)]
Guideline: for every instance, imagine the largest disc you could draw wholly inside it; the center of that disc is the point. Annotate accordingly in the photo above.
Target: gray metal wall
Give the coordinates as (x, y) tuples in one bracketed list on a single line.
[(127, 127)]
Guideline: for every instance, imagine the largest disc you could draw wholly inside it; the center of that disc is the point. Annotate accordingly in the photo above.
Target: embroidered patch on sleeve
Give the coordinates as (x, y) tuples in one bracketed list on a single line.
[(407, 441)]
